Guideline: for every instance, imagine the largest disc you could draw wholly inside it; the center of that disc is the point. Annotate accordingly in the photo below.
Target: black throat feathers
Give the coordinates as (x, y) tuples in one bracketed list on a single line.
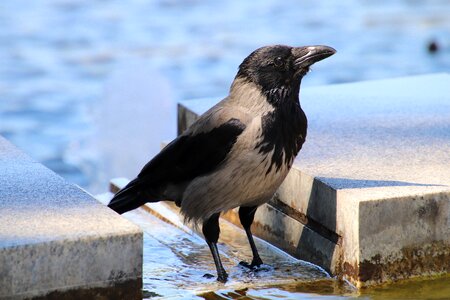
[(283, 129)]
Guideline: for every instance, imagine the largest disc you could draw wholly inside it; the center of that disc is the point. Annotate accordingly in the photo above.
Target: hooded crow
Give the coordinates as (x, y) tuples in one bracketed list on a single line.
[(237, 153)]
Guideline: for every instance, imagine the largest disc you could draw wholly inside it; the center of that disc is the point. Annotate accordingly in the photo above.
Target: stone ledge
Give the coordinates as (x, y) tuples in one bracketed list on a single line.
[(55, 239), (371, 184)]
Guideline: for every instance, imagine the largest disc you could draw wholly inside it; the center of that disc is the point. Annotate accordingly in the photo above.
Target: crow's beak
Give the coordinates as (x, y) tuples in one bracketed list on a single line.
[(306, 56)]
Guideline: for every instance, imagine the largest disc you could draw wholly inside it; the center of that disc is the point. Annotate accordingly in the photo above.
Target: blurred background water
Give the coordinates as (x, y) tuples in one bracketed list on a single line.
[(69, 68)]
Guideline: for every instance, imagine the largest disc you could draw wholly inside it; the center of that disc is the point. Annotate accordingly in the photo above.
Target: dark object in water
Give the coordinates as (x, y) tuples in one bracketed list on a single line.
[(433, 47)]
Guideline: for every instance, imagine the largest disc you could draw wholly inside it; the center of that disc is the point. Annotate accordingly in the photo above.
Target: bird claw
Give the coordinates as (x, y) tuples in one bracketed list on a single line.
[(246, 265), (208, 276), (256, 263), (222, 277)]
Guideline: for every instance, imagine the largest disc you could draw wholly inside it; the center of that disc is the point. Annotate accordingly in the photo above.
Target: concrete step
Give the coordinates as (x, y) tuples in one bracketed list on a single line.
[(58, 242), (368, 197), (176, 257)]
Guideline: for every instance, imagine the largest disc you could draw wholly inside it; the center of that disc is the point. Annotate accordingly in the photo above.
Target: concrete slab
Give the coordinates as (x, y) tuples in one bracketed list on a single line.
[(373, 180), (58, 241)]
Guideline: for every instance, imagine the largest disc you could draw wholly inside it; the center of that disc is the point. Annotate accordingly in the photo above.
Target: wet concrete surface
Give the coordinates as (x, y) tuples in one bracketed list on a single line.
[(176, 260)]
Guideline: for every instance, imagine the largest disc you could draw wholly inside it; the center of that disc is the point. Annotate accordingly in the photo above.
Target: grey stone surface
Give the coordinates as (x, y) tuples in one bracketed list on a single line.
[(383, 133), (373, 177), (56, 237)]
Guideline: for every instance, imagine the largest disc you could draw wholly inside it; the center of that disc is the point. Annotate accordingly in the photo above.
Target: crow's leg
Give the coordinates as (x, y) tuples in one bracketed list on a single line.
[(211, 231), (246, 215)]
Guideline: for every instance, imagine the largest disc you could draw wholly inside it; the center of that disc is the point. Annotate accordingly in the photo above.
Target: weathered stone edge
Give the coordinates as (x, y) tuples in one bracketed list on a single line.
[(42, 255)]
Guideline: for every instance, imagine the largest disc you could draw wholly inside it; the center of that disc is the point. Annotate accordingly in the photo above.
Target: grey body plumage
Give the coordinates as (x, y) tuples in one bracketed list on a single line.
[(237, 153), (245, 177)]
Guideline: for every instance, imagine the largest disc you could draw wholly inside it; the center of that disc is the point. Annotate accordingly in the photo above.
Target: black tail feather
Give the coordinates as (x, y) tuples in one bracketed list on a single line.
[(130, 197)]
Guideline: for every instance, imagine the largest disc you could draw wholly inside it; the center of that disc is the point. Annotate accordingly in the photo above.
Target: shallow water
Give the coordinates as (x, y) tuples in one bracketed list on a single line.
[(58, 57), (176, 260)]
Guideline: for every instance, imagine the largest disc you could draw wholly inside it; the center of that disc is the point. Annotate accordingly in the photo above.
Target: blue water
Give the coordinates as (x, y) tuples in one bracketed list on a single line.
[(56, 56)]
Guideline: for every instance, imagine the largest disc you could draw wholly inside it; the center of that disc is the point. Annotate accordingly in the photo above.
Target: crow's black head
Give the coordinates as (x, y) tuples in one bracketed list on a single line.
[(281, 67)]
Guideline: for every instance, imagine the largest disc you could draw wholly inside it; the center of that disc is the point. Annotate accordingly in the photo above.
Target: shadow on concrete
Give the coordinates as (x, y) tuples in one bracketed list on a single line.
[(319, 239)]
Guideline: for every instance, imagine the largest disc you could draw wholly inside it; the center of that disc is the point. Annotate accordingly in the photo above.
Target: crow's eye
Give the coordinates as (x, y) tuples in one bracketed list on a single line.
[(278, 62)]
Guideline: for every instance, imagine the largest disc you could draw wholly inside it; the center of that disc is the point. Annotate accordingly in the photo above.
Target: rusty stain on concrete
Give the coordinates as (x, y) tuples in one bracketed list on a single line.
[(131, 289), (413, 261)]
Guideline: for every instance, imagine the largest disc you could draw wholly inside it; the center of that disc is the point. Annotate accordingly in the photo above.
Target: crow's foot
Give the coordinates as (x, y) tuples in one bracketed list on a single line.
[(222, 277), (208, 276), (256, 263)]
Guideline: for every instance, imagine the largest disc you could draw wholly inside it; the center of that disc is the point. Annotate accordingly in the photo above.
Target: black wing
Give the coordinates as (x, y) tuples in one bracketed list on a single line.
[(186, 157), (190, 156)]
